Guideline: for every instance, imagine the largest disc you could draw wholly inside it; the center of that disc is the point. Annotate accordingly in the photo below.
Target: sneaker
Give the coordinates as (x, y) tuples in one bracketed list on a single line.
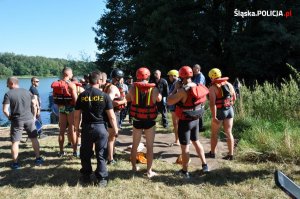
[(210, 155), (76, 154), (111, 162), (15, 166), (205, 168), (228, 157), (61, 154), (102, 182), (184, 174), (39, 161)]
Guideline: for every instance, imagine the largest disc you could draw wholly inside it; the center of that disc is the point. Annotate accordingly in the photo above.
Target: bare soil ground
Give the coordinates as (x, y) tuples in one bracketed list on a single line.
[(163, 148)]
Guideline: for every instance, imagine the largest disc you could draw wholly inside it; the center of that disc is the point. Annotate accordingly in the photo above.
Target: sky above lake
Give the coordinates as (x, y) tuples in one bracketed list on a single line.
[(50, 28)]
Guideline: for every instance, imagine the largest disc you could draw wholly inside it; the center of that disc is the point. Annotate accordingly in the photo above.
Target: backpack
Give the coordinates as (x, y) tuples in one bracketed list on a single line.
[(61, 94), (198, 94), (225, 91), (224, 98)]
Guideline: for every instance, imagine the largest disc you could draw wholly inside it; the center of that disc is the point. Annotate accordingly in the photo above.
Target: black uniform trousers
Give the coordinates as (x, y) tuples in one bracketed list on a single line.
[(162, 108), (94, 133)]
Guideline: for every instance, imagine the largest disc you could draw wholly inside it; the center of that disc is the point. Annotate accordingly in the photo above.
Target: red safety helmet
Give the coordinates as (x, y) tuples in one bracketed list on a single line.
[(143, 73), (185, 72)]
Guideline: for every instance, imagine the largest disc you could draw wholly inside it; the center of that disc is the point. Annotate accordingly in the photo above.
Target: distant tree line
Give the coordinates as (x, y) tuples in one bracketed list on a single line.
[(21, 65), (167, 34)]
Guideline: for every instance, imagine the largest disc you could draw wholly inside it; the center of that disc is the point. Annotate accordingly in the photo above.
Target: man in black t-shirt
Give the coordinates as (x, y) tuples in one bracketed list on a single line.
[(34, 91), (94, 105), (163, 88)]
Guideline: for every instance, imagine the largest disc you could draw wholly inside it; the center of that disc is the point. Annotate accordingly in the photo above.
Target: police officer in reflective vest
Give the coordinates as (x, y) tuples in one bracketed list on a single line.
[(94, 104)]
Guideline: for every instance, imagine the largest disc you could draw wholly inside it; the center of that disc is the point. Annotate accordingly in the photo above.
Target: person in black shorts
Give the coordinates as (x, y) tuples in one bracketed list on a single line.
[(143, 97), (23, 108), (221, 99), (94, 105), (188, 128)]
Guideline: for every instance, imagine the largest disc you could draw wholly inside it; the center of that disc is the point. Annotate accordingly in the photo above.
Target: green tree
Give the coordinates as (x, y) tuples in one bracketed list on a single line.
[(4, 71), (168, 34)]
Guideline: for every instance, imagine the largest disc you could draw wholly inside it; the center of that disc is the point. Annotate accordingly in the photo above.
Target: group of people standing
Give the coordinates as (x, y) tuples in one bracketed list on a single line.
[(94, 109)]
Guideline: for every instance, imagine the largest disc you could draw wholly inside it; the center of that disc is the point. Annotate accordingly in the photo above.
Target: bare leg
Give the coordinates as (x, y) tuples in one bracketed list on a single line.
[(62, 130), (228, 123), (36, 147), (175, 125), (111, 144), (136, 138), (69, 138), (200, 151), (185, 157), (150, 135), (78, 141), (71, 131), (15, 150), (215, 126)]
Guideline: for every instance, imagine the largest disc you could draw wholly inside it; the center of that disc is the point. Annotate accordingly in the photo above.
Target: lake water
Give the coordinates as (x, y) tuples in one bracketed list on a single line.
[(44, 90)]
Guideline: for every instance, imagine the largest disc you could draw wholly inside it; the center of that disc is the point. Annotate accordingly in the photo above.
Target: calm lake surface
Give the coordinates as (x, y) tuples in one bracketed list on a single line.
[(44, 90)]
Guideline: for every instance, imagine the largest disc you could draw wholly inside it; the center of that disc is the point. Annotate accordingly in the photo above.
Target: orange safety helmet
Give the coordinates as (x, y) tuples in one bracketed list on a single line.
[(185, 72), (143, 73)]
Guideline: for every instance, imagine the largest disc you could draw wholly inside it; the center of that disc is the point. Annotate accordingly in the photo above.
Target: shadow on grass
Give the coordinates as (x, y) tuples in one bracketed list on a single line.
[(29, 177), (218, 177)]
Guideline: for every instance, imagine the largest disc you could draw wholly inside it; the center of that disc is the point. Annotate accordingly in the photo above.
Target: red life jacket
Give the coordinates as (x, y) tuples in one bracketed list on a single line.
[(61, 94), (142, 106), (122, 95), (224, 97), (78, 85), (193, 107)]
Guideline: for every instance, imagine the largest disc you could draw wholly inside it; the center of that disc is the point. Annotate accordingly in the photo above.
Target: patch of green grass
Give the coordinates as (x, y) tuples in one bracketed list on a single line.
[(59, 178), (270, 142)]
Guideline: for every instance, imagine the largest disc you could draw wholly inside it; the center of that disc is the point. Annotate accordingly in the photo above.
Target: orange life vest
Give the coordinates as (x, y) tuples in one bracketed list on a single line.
[(122, 95), (142, 106), (78, 85), (224, 97), (193, 107), (61, 93)]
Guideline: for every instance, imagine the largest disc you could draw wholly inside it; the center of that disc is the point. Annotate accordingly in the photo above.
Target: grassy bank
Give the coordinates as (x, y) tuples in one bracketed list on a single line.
[(267, 122), (59, 178)]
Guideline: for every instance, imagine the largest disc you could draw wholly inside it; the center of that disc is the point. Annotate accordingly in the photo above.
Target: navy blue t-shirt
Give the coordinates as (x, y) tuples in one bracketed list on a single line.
[(93, 103)]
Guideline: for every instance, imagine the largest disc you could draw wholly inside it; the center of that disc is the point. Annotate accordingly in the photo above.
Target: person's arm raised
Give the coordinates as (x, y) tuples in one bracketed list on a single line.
[(175, 98)]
